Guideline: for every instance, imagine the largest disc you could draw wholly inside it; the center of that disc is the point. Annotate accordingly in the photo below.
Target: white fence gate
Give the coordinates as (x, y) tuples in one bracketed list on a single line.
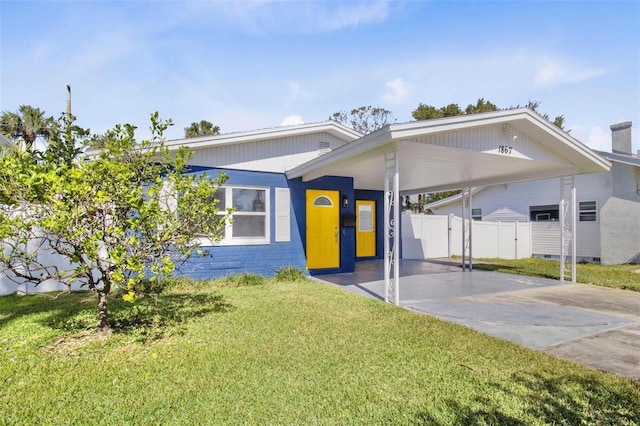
[(434, 236)]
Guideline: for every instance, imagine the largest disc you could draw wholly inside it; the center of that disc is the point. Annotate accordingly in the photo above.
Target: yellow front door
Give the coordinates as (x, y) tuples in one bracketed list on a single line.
[(323, 229), (365, 228)]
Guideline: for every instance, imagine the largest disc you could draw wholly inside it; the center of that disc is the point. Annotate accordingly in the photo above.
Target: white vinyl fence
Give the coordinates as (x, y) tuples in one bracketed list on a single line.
[(434, 236)]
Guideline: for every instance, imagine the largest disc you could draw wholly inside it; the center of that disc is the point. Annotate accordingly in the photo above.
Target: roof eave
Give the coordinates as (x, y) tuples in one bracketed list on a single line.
[(331, 127)]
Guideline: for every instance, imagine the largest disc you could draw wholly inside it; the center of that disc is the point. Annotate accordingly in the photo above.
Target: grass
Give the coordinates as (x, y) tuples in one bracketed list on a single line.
[(614, 276), (281, 353)]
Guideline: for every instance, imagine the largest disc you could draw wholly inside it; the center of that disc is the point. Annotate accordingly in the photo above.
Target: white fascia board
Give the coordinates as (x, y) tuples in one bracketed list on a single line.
[(587, 160), (359, 146), (332, 127), (518, 118), (524, 119), (420, 128)]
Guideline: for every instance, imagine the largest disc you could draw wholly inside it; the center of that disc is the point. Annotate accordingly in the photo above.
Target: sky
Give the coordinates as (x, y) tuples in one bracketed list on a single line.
[(261, 64)]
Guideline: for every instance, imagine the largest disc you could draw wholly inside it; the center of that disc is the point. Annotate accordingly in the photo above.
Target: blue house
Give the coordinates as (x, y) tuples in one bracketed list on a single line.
[(321, 196)]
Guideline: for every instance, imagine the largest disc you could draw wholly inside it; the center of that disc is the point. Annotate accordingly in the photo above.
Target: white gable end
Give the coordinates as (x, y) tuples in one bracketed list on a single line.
[(272, 155), (497, 139)]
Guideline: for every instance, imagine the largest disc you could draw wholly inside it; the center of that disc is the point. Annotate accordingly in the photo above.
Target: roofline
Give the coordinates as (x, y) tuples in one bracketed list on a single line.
[(630, 160), (330, 126), (495, 117), (394, 132)]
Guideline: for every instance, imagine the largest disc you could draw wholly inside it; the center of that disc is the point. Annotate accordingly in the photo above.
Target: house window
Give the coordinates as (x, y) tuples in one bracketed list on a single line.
[(476, 214), (322, 201), (544, 213), (588, 211), (250, 219)]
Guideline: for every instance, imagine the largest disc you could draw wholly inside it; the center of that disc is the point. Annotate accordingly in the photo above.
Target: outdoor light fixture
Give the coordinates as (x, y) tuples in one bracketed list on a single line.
[(345, 201)]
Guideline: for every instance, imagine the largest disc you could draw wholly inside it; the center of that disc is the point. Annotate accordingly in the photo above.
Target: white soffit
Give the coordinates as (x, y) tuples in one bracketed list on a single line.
[(454, 152)]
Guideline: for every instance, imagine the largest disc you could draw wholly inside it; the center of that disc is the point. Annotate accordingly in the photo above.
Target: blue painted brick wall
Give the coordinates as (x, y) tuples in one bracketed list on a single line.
[(348, 237), (260, 259), (378, 197)]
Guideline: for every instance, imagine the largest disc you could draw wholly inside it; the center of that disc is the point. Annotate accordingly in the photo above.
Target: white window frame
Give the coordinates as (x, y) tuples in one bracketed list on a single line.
[(588, 211), (229, 239), (477, 215)]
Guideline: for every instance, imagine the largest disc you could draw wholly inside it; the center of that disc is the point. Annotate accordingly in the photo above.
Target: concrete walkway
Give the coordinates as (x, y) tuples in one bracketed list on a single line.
[(594, 326)]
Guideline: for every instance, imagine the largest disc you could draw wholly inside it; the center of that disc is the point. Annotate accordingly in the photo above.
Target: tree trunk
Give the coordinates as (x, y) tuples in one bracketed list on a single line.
[(104, 328)]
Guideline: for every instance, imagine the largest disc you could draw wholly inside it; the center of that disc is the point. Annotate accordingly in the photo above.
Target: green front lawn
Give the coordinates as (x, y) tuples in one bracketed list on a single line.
[(614, 276), (282, 353)]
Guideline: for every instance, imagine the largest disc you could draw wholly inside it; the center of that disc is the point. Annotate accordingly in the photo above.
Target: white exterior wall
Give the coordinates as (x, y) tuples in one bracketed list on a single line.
[(620, 217), (275, 155), (511, 202)]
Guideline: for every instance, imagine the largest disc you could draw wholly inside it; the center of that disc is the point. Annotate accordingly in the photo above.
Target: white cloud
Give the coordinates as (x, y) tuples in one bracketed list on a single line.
[(397, 91), (560, 70), (260, 17), (599, 139), (295, 91), (355, 14), (292, 120)]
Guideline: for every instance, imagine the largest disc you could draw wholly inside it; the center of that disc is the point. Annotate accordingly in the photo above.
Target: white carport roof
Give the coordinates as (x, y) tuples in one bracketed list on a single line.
[(456, 152)]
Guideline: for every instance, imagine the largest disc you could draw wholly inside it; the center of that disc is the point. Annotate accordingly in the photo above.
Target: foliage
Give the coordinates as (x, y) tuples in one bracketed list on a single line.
[(27, 124), (203, 128), (114, 219), (365, 119), (533, 105), (429, 112), (615, 276), (290, 274), (303, 353), (436, 196), (480, 106)]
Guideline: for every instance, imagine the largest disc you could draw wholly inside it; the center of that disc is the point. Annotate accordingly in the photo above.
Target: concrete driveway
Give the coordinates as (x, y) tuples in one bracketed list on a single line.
[(594, 326)]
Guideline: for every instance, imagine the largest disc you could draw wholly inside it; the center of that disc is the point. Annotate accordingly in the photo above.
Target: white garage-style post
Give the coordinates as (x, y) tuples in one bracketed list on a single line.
[(466, 229), (567, 224), (391, 228)]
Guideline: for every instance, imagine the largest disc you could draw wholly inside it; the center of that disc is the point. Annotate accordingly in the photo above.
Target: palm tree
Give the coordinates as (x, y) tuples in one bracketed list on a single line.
[(203, 128), (26, 124)]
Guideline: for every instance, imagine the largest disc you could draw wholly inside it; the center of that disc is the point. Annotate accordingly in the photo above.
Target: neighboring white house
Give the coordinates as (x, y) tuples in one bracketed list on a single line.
[(608, 207)]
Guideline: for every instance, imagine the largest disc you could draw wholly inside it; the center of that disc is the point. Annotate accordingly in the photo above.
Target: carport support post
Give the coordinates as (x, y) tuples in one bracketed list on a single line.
[(391, 227), (466, 228), (568, 230)]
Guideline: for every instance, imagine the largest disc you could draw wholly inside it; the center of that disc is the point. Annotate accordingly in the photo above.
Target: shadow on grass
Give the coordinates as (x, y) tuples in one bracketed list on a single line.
[(567, 399), (79, 311)]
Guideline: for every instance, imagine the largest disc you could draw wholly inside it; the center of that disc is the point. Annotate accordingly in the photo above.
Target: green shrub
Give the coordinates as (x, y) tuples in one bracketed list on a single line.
[(290, 273)]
